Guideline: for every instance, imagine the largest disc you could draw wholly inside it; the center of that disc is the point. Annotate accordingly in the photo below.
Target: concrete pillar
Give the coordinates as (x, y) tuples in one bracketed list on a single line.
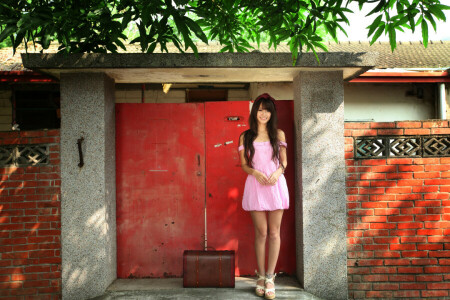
[(320, 175), (88, 204)]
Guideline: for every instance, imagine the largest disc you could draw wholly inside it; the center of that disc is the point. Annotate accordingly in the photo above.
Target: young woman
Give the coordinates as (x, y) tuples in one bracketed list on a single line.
[(262, 150)]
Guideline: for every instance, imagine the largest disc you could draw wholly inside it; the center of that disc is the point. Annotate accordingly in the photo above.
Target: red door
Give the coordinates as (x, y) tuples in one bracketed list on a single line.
[(229, 226), (160, 186), (160, 167)]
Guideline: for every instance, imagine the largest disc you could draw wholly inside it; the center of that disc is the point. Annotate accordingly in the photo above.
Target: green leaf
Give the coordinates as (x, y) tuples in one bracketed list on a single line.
[(425, 33), (377, 35), (377, 8), (429, 17), (374, 25), (392, 37), (437, 12)]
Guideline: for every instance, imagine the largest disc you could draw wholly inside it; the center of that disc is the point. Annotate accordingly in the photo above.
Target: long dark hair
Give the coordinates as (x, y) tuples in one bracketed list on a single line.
[(266, 102)]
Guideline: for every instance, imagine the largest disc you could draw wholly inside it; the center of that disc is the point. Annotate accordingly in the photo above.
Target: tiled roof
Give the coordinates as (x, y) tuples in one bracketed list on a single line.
[(407, 54)]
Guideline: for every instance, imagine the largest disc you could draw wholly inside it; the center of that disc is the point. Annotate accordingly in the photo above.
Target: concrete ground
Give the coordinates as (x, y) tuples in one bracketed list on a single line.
[(172, 288)]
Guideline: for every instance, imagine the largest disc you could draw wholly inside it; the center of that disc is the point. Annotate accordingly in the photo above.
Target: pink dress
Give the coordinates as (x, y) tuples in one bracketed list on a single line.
[(264, 197)]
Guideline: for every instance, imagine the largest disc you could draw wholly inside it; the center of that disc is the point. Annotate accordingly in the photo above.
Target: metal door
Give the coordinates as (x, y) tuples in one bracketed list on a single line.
[(160, 167), (228, 225)]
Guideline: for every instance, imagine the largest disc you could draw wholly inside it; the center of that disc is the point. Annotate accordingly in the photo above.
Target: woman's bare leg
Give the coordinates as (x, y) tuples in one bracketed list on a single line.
[(274, 241), (260, 222)]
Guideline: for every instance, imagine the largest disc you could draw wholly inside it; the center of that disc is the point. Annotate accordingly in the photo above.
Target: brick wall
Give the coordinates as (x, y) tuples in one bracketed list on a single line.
[(30, 246), (398, 218)]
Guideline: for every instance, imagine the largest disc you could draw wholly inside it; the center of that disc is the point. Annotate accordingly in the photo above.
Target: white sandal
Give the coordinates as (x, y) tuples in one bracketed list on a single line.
[(266, 290), (260, 289)]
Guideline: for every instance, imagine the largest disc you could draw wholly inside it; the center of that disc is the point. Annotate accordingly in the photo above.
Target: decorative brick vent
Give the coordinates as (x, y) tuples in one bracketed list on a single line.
[(30, 221), (398, 209), (24, 155), (401, 146)]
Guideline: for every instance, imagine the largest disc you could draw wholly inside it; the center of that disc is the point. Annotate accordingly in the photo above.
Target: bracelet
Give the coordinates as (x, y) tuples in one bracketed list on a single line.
[(282, 168)]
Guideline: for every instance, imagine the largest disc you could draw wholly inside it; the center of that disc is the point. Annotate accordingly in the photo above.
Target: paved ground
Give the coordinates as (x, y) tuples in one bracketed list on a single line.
[(167, 289)]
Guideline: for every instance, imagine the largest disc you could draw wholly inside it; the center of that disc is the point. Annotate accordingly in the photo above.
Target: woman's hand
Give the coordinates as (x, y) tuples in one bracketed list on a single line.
[(274, 177), (261, 177)]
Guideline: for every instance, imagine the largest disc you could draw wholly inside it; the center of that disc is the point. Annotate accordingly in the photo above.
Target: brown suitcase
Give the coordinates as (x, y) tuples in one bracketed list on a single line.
[(208, 268)]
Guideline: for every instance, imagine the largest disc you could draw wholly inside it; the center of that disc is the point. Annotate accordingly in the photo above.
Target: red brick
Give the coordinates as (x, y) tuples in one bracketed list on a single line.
[(373, 162), (23, 277), (373, 204), (401, 203), (385, 286), (437, 182), (437, 270), (426, 293), (437, 167), (424, 261), (371, 278), (418, 270), (371, 176), (421, 278), (402, 233), (20, 292), (412, 286), (439, 239), (427, 218), (390, 131), (396, 247), (383, 270), (399, 161), (357, 183), (439, 286), (440, 130), (430, 247), (358, 270), (441, 196), (436, 203), (426, 175), (406, 294), (410, 225), (445, 175), (378, 294), (362, 132), (398, 190), (382, 183), (373, 219), (399, 176), (414, 254), (400, 219), (387, 240), (445, 160), (433, 124), (375, 247), (425, 189), (411, 168), (444, 262), (382, 125), (382, 197), (414, 239), (371, 191), (429, 232), (389, 211), (387, 254), (417, 131), (385, 169), (15, 241), (426, 161), (412, 182), (401, 277), (359, 286)]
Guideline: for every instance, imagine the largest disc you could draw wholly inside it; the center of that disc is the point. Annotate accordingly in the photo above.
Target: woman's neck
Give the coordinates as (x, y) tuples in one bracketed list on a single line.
[(262, 128)]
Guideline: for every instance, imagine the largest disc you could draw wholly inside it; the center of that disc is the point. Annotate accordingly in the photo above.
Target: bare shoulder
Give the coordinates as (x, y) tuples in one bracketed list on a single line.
[(241, 138), (281, 135)]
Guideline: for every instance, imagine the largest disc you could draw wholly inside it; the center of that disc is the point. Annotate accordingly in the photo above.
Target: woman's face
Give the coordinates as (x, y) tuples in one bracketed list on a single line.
[(263, 115)]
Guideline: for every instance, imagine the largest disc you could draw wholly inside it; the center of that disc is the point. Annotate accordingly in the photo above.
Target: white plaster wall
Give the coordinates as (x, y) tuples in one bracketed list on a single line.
[(278, 90), (388, 102), (447, 97), (5, 110)]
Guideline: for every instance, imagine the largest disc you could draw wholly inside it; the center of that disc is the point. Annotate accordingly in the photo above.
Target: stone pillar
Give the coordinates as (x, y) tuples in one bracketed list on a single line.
[(320, 177), (88, 195)]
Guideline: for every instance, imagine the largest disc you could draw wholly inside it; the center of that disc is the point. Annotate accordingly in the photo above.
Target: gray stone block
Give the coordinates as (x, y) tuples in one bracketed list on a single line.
[(320, 176), (88, 204)]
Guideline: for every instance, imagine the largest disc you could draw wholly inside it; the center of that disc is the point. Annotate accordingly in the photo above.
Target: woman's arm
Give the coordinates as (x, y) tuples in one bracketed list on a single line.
[(283, 160), (260, 177)]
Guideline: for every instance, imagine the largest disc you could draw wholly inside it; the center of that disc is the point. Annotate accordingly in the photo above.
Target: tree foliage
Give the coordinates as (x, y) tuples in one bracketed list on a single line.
[(101, 25)]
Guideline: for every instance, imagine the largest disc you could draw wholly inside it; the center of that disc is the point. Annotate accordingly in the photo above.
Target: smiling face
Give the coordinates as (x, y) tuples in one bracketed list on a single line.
[(263, 115)]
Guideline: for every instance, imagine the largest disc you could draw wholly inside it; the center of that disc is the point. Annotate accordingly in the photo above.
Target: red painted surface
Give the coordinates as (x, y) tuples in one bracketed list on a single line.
[(160, 187), (160, 148), (229, 226), (402, 79), (25, 76), (405, 74)]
